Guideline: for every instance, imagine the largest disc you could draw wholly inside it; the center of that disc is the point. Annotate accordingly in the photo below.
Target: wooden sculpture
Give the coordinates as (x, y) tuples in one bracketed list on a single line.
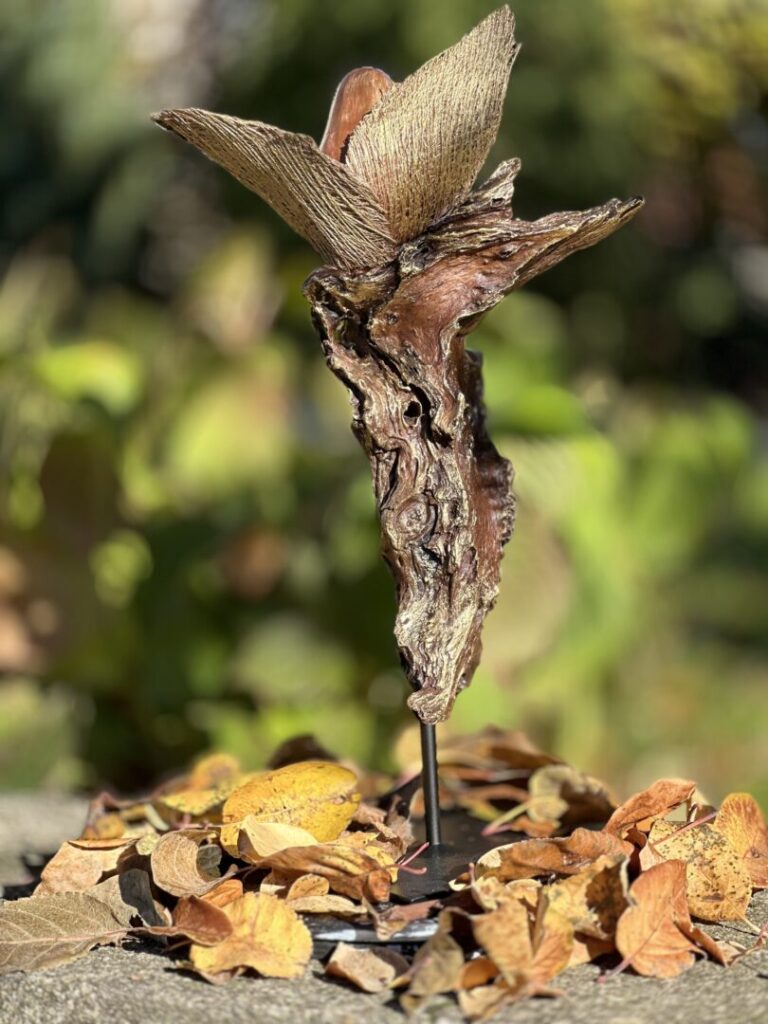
[(414, 258)]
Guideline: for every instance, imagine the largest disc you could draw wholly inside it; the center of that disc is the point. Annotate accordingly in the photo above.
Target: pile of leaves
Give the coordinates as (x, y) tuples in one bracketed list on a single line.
[(225, 868)]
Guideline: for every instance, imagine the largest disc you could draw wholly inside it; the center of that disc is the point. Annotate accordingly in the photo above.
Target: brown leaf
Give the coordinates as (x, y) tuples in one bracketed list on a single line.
[(185, 864), (533, 857), (719, 885), (201, 921), (45, 931), (526, 956), (741, 821), (349, 871), (559, 793), (227, 891), (595, 898), (391, 921), (437, 967), (642, 809), (318, 796), (129, 897), (490, 893), (266, 935), (81, 863), (647, 935), (372, 970)]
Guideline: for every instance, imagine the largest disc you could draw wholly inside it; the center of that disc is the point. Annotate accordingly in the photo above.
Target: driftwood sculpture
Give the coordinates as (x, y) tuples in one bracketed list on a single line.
[(414, 259)]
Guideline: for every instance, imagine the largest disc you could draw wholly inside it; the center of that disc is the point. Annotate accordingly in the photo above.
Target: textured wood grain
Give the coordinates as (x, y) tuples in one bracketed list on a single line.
[(315, 194), (423, 144), (395, 337)]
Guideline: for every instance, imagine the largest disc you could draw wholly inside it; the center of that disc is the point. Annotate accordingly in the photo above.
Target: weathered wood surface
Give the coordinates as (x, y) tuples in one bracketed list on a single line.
[(415, 260)]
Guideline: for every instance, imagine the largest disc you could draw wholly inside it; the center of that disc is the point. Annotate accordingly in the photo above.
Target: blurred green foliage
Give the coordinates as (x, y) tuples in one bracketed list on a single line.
[(189, 551)]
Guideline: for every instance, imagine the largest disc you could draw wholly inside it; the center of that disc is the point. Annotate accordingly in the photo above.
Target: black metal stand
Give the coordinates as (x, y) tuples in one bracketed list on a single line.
[(455, 839)]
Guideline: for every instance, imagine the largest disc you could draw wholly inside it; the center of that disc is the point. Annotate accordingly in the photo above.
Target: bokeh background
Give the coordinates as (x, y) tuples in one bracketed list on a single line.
[(188, 546)]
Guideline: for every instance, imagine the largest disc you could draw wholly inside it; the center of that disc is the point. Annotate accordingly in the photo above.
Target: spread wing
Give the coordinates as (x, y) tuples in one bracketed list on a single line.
[(317, 196), (422, 145)]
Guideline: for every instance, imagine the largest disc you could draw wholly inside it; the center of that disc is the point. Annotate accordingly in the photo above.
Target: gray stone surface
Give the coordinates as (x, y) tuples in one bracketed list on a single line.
[(138, 985)]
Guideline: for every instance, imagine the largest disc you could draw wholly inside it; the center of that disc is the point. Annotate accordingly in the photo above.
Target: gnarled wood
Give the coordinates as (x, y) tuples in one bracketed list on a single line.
[(395, 336)]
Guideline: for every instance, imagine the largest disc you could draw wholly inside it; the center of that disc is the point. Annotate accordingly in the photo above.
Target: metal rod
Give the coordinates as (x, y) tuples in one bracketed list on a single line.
[(430, 784)]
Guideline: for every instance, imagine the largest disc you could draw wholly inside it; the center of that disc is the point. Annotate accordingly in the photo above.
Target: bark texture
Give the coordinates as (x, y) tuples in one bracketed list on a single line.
[(395, 336)]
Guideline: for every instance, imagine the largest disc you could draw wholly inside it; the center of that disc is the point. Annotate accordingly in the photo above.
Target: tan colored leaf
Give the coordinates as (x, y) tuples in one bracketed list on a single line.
[(422, 145), (741, 821), (330, 903), (391, 921), (129, 897), (719, 885), (80, 864), (227, 891), (559, 793), (372, 970), (647, 935), (266, 935), (307, 885), (205, 788), (490, 893), (642, 809), (526, 956), (594, 899), (201, 921), (532, 857), (317, 196), (586, 949), (45, 931), (258, 839), (349, 871), (185, 864), (437, 967), (318, 796)]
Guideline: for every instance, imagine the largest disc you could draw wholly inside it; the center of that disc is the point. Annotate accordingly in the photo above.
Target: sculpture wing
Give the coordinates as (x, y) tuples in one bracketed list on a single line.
[(422, 145), (317, 196)]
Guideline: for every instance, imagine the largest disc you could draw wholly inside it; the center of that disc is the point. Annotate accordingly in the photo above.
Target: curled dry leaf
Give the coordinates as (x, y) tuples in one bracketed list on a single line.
[(129, 897), (318, 796), (372, 970), (205, 788), (349, 871), (227, 891), (719, 885), (437, 967), (594, 899), (186, 864), (201, 921), (257, 839), (391, 921), (45, 931), (490, 893), (533, 857), (528, 956), (266, 935), (742, 823), (642, 809), (647, 934), (82, 863)]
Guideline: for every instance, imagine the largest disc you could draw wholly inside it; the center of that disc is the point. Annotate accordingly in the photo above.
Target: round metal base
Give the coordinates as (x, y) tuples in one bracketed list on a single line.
[(463, 842)]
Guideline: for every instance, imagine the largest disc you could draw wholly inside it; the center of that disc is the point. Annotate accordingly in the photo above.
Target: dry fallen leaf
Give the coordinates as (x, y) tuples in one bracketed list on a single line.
[(129, 897), (532, 857), (185, 864), (741, 821), (227, 891), (266, 935), (528, 954), (205, 788), (719, 886), (647, 934), (348, 870), (257, 839), (594, 899), (437, 966), (45, 931), (642, 809), (81, 863), (318, 796), (202, 922), (372, 970)]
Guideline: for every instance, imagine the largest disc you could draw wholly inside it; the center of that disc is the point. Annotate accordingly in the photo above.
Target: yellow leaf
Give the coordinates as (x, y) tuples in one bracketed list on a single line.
[(719, 885), (255, 839), (266, 935), (741, 821), (318, 796)]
